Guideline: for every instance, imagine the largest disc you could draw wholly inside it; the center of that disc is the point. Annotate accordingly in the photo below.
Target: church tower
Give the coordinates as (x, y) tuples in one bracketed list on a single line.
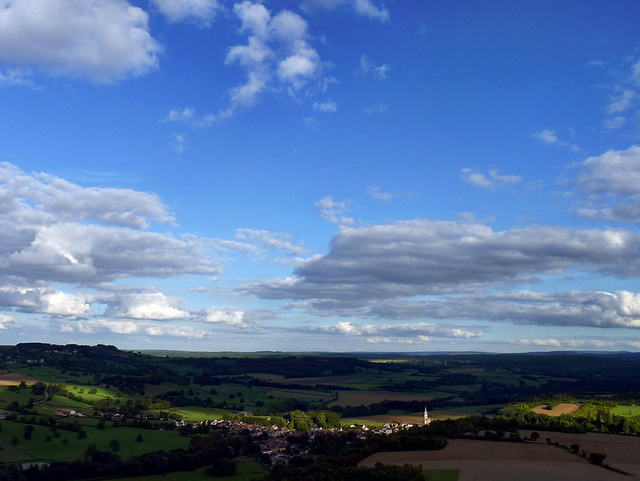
[(426, 419)]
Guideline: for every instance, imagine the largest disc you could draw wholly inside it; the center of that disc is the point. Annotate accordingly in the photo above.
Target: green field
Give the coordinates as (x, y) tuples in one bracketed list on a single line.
[(248, 470), (193, 414), (627, 411), (45, 444), (441, 475)]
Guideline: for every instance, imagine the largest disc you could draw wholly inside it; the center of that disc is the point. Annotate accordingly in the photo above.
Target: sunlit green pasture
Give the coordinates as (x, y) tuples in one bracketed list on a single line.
[(193, 414), (626, 410), (45, 443), (83, 391)]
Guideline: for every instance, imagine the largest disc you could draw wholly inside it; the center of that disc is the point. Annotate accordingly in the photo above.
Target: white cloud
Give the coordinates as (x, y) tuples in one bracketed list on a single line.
[(44, 300), (101, 40), (374, 191), (16, 76), (177, 142), (333, 211), (277, 54), (366, 8), (491, 181), (200, 11), (549, 137), (54, 230), (142, 305), (270, 240), (622, 107), (179, 115), (376, 109), (571, 308), (47, 199), (402, 330), (611, 183), (6, 320), (367, 68), (329, 106), (230, 317), (132, 328), (621, 102)]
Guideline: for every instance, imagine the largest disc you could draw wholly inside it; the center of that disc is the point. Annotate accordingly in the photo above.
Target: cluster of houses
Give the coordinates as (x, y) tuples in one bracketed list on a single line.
[(275, 441)]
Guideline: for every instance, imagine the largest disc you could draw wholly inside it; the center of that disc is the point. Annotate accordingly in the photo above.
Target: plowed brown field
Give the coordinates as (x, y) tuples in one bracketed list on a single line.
[(501, 461), (623, 452)]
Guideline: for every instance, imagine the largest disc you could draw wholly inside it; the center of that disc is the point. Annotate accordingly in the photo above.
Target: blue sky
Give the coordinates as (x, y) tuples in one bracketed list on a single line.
[(339, 175)]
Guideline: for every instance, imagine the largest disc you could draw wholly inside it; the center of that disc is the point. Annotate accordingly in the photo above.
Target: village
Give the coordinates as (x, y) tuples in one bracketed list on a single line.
[(276, 443)]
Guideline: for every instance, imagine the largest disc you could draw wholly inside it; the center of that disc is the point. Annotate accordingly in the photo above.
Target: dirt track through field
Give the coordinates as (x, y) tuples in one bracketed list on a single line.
[(501, 461)]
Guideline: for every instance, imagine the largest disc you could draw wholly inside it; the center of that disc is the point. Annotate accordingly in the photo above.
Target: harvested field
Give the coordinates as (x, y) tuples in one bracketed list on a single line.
[(15, 379), (357, 398), (563, 408), (500, 461), (623, 452)]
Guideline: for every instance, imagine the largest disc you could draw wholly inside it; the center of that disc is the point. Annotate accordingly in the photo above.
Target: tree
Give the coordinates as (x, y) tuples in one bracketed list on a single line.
[(28, 431), (115, 445), (90, 450), (222, 467), (597, 458), (535, 435)]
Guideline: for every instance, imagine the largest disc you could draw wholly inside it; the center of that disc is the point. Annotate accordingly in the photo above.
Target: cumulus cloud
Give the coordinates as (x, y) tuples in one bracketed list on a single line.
[(366, 8), (44, 300), (201, 12), (45, 199), (333, 211), (424, 257), (100, 40), (230, 317), (142, 305), (277, 54), (611, 184), (490, 181), (6, 320)]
